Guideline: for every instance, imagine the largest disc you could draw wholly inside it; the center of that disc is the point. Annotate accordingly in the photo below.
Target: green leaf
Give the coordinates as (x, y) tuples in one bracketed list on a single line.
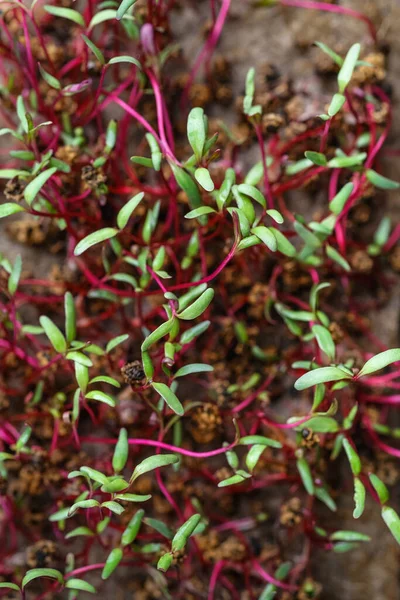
[(94, 474), (127, 210), (113, 506), (186, 183), (15, 275), (225, 189), (82, 504), (316, 157), (105, 379), (341, 162), (112, 562), (23, 438), (82, 376), (116, 342), (335, 57), (305, 474), (259, 440), (324, 340), (337, 258), (353, 458), (36, 573), (78, 531), (160, 527), (346, 72), (114, 485), (248, 107), (169, 397), (196, 131), (9, 208), (95, 238), (98, 54), (380, 361), (203, 178), (382, 233), (108, 14), (193, 368), (184, 532), (21, 112), (234, 480), (125, 59), (392, 520), (381, 182), (198, 307), (282, 243), (319, 424), (199, 212), (133, 497), (9, 585), (156, 154), (34, 187), (359, 498), (165, 562), (60, 515), (275, 215), (320, 375), (70, 317), (81, 585), (322, 495), (254, 455), (65, 13), (121, 451), (154, 462), (337, 203), (190, 334), (266, 236), (349, 536), (54, 334), (157, 334), (79, 357), (341, 547), (123, 8), (100, 397), (336, 104), (314, 294), (50, 79), (11, 173), (299, 166), (254, 193), (132, 528), (255, 174), (380, 488)]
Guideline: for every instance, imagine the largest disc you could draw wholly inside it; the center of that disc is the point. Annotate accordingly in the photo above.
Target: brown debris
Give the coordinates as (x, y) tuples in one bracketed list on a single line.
[(133, 373), (291, 513), (14, 190), (206, 420)]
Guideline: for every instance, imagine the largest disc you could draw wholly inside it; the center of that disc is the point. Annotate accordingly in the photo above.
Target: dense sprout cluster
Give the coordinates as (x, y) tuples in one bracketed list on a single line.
[(189, 388)]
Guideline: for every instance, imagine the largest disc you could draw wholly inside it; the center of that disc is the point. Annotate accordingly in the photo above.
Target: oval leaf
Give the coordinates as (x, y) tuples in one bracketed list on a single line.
[(55, 336), (36, 573), (169, 397), (321, 375), (203, 178), (380, 361), (95, 238), (193, 368), (198, 307), (34, 187), (154, 462)]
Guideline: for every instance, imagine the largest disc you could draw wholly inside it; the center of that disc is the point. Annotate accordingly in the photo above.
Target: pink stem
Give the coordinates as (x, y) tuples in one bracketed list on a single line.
[(340, 10)]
